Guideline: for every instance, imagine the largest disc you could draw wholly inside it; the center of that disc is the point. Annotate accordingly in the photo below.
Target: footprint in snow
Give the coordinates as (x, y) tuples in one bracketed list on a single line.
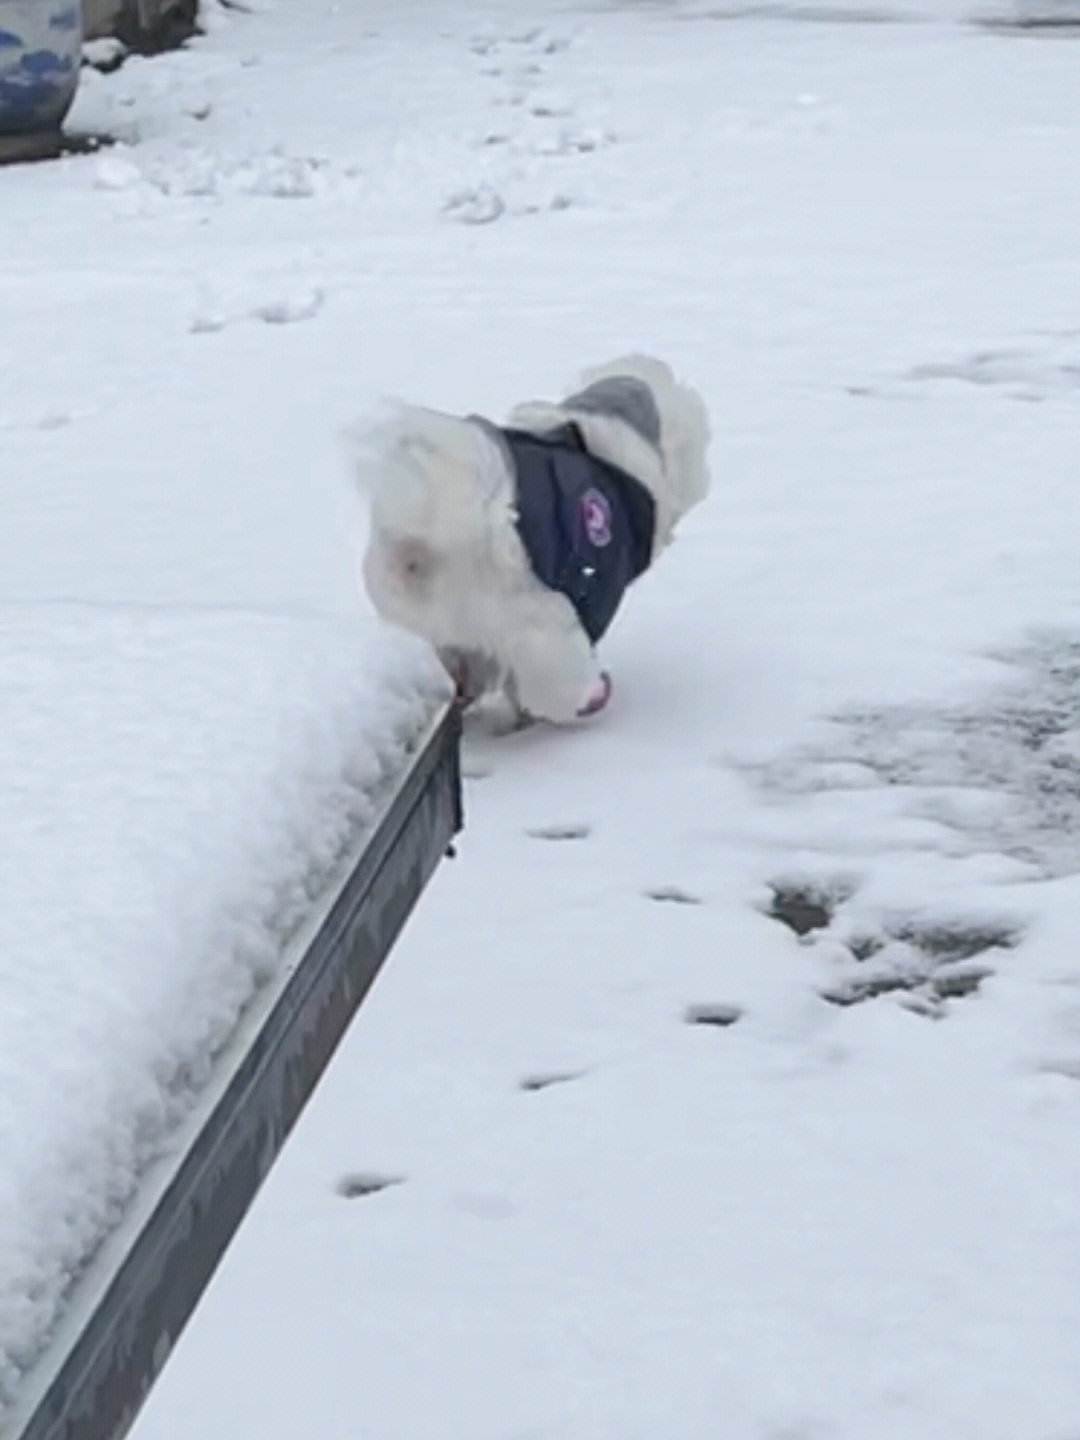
[(560, 832), (285, 308), (475, 207), (672, 895), (719, 1015), (572, 142), (542, 1081), (804, 906), (355, 1187)]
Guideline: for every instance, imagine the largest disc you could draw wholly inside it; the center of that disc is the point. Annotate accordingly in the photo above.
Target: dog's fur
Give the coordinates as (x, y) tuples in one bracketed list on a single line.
[(444, 556)]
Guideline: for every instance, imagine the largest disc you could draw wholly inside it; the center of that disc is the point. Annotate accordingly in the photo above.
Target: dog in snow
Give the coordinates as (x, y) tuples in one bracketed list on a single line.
[(509, 547)]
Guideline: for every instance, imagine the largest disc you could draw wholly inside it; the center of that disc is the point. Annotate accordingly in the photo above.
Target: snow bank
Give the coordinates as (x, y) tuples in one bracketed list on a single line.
[(177, 787)]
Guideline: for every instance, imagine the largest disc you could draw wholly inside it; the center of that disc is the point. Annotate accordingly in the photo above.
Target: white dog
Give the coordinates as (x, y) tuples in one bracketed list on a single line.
[(509, 547)]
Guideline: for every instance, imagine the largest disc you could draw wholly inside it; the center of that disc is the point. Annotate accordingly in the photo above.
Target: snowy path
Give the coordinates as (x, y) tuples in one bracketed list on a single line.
[(610, 1151)]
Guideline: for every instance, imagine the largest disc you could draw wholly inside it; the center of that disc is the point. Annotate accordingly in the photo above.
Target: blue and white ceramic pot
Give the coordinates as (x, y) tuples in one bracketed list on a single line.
[(40, 49)]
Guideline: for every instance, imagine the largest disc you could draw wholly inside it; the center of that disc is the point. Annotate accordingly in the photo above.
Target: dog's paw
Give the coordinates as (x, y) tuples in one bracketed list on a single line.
[(597, 695), (472, 672)]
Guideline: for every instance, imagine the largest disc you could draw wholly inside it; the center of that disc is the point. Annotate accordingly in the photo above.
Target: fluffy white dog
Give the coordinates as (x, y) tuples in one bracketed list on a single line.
[(509, 547)]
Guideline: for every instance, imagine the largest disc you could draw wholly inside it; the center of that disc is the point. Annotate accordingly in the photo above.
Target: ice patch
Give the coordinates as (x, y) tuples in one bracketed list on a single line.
[(925, 959), (1000, 772)]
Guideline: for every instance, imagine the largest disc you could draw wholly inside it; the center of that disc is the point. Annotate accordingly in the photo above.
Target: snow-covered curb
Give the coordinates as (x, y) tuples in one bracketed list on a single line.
[(180, 788), (125, 1313)]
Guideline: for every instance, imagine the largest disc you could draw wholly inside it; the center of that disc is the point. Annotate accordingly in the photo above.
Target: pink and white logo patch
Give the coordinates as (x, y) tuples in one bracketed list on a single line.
[(596, 518)]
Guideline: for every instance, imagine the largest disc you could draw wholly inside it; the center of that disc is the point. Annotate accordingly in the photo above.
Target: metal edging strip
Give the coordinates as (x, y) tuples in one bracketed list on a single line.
[(127, 1311)]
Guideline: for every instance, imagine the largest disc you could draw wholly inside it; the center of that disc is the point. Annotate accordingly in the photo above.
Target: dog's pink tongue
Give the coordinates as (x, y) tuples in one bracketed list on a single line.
[(598, 695)]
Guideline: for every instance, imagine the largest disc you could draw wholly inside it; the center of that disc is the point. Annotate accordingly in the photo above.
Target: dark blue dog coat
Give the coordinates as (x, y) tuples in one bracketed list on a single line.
[(586, 525)]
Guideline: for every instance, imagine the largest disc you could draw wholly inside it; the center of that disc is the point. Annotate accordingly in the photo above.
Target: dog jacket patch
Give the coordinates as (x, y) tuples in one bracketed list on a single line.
[(587, 526)]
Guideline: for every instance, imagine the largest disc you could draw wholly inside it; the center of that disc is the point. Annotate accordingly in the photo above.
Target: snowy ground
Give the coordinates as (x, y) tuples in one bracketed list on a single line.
[(198, 717), (611, 1150)]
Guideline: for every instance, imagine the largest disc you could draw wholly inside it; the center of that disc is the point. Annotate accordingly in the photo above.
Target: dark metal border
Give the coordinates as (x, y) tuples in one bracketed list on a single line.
[(93, 1388)]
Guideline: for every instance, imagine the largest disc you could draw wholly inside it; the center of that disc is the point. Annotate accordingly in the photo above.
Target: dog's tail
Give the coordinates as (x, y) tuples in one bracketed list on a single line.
[(684, 427), (426, 474)]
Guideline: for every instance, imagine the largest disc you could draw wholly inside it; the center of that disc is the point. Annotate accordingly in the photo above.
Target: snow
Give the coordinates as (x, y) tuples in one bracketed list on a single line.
[(610, 1150), (177, 789), (199, 716)]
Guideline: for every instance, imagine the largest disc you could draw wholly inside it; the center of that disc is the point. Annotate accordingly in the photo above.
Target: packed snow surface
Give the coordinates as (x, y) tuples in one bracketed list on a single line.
[(728, 1082)]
